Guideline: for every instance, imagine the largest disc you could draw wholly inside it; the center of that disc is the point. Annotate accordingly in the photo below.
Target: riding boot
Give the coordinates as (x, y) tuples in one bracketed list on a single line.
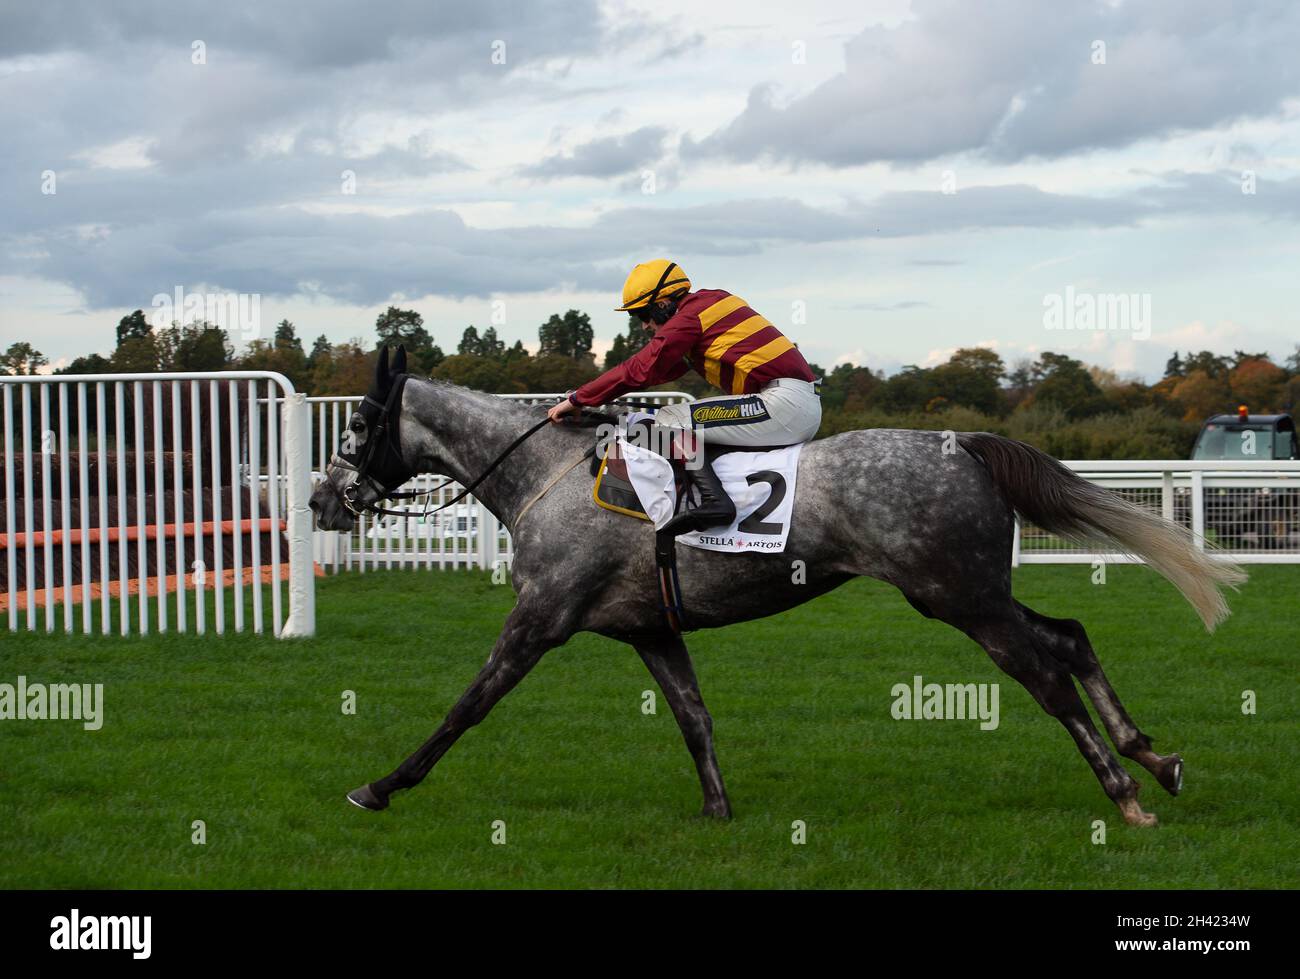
[(716, 508)]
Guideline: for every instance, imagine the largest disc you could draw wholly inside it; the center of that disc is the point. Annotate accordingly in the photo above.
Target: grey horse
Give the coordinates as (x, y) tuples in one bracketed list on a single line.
[(929, 512)]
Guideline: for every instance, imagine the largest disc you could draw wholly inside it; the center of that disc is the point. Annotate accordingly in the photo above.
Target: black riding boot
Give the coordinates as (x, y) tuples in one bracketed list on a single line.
[(716, 508)]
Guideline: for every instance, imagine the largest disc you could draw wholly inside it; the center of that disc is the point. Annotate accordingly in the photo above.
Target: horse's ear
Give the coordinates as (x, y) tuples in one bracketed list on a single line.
[(399, 362), (381, 369)]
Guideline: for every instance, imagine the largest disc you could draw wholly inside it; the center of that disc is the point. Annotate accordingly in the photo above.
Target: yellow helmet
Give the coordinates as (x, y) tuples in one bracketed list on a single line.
[(652, 281)]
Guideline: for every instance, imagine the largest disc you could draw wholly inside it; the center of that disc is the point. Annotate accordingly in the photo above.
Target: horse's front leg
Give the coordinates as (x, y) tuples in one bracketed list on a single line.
[(670, 664), (528, 633)]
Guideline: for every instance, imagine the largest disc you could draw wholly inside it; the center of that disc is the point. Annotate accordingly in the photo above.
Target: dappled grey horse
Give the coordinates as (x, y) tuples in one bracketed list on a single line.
[(929, 512)]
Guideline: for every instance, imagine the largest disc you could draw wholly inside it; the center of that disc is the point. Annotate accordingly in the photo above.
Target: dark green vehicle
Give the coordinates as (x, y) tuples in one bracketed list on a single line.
[(1254, 518), (1245, 436)]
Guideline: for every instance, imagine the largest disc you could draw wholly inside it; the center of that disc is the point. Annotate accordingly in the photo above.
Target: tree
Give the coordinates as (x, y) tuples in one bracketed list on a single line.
[(1258, 383), (626, 344), (911, 389), (283, 356), (971, 377), (1201, 394), (198, 346), (569, 336), (137, 355), (1020, 382), (21, 358), (1211, 364), (405, 327), (469, 342), (320, 347), (286, 337), (477, 372), (491, 345), (132, 327), (343, 368), (849, 387), (1066, 384), (89, 364)]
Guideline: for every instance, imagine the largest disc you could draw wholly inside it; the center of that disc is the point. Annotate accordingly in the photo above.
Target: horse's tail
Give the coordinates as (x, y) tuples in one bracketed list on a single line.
[(1045, 492)]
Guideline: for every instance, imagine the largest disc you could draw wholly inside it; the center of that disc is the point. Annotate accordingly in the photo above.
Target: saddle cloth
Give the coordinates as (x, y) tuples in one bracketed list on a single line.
[(761, 484)]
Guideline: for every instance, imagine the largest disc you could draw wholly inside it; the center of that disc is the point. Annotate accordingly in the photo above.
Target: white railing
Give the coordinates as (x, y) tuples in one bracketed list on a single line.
[(157, 543), (1248, 511), (465, 535)]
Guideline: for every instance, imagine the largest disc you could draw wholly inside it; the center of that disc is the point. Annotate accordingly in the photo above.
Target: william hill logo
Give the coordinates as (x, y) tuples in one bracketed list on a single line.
[(718, 413)]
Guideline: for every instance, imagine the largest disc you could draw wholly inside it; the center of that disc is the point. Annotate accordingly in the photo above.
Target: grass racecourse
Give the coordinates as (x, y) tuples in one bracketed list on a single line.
[(248, 735)]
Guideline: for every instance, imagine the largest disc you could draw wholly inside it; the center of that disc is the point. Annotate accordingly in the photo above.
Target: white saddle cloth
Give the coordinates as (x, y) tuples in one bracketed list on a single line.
[(761, 484)]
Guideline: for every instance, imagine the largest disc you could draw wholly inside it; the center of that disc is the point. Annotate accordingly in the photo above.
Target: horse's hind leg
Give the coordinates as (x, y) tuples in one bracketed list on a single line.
[(670, 664), (1016, 648), (1069, 643)]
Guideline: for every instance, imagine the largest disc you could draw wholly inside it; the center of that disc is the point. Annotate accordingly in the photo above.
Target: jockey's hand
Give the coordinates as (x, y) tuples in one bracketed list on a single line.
[(565, 407)]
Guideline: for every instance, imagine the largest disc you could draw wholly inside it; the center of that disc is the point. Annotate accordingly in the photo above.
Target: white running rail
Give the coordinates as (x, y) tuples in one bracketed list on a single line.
[(1244, 510), (157, 502)]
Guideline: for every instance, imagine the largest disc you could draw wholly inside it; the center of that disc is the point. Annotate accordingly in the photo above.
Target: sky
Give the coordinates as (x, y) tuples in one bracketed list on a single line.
[(884, 181)]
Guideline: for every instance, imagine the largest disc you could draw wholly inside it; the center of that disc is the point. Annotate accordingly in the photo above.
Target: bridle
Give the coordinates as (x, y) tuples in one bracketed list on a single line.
[(383, 431)]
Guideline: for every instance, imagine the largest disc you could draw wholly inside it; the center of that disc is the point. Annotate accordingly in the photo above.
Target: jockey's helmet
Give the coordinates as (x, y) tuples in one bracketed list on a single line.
[(651, 282)]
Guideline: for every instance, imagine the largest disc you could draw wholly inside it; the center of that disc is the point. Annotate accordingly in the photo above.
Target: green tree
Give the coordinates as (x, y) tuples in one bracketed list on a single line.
[(474, 371), (849, 387), (1066, 384), (491, 345), (198, 346), (1211, 364), (132, 327), (569, 336), (469, 342), (22, 358), (286, 337), (628, 343), (911, 389), (89, 364), (405, 327), (971, 377), (137, 355)]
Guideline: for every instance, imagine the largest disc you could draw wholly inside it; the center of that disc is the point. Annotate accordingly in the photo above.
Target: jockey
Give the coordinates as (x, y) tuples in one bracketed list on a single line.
[(772, 399)]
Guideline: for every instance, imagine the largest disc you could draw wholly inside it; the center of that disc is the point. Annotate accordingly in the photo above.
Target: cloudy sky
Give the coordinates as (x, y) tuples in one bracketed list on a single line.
[(886, 181)]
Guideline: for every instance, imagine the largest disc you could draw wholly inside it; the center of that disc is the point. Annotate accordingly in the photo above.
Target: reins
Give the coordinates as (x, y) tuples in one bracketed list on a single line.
[(383, 431)]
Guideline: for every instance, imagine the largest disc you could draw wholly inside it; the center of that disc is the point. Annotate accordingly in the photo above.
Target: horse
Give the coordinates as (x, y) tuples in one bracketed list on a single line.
[(931, 513)]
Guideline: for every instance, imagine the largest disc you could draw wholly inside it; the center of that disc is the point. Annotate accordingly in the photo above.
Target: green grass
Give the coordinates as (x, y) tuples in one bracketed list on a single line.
[(247, 735)]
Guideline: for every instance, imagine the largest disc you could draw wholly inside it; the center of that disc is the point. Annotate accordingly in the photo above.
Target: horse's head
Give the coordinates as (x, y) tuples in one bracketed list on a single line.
[(369, 463)]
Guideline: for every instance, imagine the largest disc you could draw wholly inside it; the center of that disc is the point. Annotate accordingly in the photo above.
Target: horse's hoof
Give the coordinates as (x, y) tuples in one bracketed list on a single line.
[(717, 811), (1170, 775), (365, 798), (1133, 814)]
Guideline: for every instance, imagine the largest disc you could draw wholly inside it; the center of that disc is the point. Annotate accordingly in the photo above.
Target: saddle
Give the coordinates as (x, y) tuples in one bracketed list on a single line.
[(613, 491)]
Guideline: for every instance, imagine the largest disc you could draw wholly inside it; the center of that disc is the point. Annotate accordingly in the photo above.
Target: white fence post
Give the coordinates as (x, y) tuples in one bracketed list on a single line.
[(1198, 508), (297, 463)]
